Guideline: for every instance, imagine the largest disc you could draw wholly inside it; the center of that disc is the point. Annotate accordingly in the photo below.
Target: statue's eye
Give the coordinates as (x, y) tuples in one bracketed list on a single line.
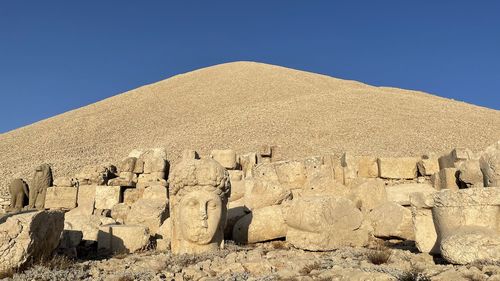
[(212, 205), (191, 203)]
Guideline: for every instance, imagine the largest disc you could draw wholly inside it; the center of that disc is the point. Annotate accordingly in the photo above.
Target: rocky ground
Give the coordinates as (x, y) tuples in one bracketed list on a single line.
[(275, 260)]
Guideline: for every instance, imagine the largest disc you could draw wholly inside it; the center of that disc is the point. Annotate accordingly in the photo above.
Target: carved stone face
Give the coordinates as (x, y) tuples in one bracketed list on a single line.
[(200, 214)]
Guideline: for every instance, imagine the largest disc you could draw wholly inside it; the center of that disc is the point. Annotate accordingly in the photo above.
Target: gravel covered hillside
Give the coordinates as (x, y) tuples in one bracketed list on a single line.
[(242, 105)]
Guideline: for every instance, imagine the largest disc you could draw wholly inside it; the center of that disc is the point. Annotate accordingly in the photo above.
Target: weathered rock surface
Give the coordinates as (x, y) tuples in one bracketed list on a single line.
[(260, 193), (367, 194), (61, 197), (398, 168), (123, 238), (325, 223), (260, 225), (392, 220), (471, 244), (28, 236), (401, 193), (151, 213)]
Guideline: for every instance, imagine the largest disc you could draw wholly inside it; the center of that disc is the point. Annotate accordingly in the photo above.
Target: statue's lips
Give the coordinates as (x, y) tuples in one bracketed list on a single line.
[(200, 234)]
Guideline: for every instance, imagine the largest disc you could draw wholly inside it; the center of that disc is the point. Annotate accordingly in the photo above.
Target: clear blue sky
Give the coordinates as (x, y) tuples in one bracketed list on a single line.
[(60, 55)]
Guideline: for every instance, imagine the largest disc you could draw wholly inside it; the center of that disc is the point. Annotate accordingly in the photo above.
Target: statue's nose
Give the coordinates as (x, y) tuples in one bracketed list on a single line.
[(203, 215)]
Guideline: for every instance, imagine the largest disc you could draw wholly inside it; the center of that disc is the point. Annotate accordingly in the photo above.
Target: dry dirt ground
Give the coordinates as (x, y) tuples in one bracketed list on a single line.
[(266, 261), (242, 105)]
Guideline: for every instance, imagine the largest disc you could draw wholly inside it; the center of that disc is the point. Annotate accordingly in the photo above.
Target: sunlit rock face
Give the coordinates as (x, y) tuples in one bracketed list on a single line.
[(199, 192)]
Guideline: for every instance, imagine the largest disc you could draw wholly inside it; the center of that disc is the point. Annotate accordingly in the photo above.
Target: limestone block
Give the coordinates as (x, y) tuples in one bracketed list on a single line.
[(86, 199), (338, 173), (368, 167), (65, 181), (151, 177), (322, 223), (265, 150), (454, 158), (107, 196), (358, 166), (470, 175), (143, 184), (265, 171), (428, 167), (392, 220), (467, 207), (260, 193), (401, 193), (155, 160), (490, 166), (139, 166), (247, 162), (313, 166), (470, 244), (257, 227), (446, 179), (189, 154), (291, 174), (367, 194), (95, 174), (28, 236), (165, 230), (323, 185), (425, 231), (467, 221), (127, 165), (123, 238), (119, 212), (131, 195), (237, 186), (87, 225), (236, 175), (398, 168), (155, 193), (226, 157), (150, 213), (277, 153), (61, 197), (122, 182)]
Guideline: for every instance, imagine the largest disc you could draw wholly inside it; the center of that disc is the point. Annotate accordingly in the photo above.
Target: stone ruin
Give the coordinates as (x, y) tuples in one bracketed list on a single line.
[(448, 204)]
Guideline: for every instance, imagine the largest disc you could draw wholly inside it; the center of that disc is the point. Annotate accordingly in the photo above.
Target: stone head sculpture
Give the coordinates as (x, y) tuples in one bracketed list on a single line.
[(42, 179), (322, 223), (199, 192)]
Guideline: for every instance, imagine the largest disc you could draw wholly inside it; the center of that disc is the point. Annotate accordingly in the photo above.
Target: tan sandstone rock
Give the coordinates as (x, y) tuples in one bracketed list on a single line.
[(325, 223), (123, 238), (401, 193), (260, 225), (467, 222), (392, 220), (470, 244), (107, 196), (28, 236), (260, 193), (445, 179), (423, 223), (470, 175), (226, 157), (59, 197), (147, 212), (398, 168), (490, 165), (367, 194)]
